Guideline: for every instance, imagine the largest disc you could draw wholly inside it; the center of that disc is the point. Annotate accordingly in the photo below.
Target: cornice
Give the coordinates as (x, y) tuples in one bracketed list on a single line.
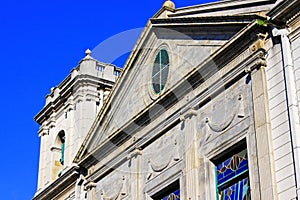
[(66, 92), (216, 20), (59, 185), (284, 11), (219, 6)]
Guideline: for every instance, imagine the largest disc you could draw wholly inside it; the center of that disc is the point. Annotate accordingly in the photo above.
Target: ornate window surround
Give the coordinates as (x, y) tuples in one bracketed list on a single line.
[(170, 192), (232, 175), (163, 180), (224, 152)]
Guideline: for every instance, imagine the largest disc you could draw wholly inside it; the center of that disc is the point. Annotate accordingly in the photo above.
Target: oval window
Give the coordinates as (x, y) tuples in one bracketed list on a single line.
[(160, 71)]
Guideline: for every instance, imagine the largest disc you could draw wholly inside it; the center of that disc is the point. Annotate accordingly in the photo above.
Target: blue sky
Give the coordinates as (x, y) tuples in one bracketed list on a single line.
[(41, 41)]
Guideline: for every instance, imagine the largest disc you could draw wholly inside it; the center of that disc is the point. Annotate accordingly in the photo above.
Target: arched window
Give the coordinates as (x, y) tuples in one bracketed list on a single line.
[(58, 154), (61, 136), (160, 71)]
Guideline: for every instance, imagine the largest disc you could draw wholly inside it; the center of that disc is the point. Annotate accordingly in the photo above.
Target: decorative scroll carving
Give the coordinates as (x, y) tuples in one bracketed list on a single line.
[(222, 126), (121, 194), (189, 112), (137, 151), (225, 124), (159, 167), (156, 167), (257, 61)]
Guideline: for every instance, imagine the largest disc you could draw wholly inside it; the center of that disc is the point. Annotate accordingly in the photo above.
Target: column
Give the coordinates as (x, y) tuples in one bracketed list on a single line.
[(41, 175), (91, 191)]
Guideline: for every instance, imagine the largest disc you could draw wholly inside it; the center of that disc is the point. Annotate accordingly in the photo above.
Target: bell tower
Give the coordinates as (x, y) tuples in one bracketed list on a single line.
[(69, 112)]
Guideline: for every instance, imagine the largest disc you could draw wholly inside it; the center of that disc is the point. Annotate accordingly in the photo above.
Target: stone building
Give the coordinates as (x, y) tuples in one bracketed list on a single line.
[(206, 107)]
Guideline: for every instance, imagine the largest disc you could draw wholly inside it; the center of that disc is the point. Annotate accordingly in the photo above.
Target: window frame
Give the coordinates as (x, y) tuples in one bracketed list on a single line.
[(164, 193), (160, 71), (237, 178), (62, 138), (155, 186)]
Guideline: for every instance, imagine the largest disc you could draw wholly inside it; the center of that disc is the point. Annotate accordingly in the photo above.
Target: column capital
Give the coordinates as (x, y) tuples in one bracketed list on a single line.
[(136, 152), (90, 185), (188, 113)]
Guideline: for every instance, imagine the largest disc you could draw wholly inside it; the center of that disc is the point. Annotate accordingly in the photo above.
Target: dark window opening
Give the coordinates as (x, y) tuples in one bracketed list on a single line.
[(171, 192), (61, 136)]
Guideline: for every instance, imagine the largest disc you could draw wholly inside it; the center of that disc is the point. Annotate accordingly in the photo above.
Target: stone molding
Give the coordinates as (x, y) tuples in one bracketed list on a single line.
[(283, 12), (69, 89), (59, 185), (219, 6)]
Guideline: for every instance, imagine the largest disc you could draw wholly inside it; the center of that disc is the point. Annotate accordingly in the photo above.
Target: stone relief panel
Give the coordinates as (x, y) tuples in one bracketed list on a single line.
[(120, 180), (223, 114), (162, 153), (227, 115)]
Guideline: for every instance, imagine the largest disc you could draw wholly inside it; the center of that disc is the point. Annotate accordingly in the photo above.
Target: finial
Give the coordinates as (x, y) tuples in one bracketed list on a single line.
[(169, 4), (88, 52)]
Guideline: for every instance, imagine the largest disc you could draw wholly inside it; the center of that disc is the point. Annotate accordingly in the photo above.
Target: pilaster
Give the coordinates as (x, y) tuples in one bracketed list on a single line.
[(263, 135), (91, 191), (41, 176), (136, 173), (191, 158)]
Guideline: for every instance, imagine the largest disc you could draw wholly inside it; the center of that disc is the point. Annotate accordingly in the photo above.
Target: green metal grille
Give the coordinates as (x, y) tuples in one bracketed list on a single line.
[(160, 71), (62, 159)]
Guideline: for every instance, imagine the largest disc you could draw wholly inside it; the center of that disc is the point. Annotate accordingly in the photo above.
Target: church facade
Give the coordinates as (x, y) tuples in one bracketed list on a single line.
[(206, 107)]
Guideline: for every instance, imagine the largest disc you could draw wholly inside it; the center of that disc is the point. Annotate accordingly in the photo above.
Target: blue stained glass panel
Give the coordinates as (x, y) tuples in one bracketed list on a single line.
[(232, 178), (237, 191), (173, 196), (232, 167), (62, 159)]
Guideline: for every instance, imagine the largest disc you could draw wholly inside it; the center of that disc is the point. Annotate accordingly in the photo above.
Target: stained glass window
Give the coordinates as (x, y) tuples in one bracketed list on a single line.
[(172, 196), (232, 177), (160, 71), (171, 192)]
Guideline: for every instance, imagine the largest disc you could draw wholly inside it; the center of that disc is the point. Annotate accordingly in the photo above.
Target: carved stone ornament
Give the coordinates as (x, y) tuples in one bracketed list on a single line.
[(121, 194), (136, 152), (234, 111), (159, 165)]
